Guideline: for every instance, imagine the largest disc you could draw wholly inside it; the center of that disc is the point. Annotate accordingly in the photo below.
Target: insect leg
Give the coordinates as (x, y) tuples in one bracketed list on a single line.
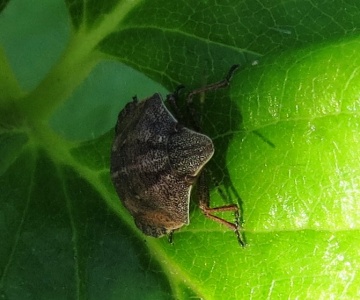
[(171, 236), (204, 204), (172, 100), (214, 86), (210, 87)]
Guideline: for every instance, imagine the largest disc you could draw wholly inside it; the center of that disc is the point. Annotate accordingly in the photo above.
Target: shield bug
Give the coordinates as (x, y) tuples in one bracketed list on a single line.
[(156, 161)]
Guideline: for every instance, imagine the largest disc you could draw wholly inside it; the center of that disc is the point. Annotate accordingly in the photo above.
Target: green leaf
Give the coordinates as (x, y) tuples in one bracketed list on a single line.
[(301, 121), (286, 136), (3, 4)]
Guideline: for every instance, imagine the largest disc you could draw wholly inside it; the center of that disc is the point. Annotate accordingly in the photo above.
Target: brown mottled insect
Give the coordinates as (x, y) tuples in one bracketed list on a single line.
[(155, 162)]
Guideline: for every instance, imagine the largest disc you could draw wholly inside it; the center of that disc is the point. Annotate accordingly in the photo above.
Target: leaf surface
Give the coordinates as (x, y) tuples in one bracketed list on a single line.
[(286, 136)]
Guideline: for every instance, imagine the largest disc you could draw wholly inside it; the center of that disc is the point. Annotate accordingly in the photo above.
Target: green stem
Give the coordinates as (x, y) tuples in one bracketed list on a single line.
[(74, 66)]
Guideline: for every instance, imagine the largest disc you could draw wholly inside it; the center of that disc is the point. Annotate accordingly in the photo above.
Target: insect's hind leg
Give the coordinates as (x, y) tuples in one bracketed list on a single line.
[(204, 204)]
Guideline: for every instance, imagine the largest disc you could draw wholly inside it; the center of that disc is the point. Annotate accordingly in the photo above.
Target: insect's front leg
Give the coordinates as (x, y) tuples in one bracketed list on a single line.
[(214, 86)]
